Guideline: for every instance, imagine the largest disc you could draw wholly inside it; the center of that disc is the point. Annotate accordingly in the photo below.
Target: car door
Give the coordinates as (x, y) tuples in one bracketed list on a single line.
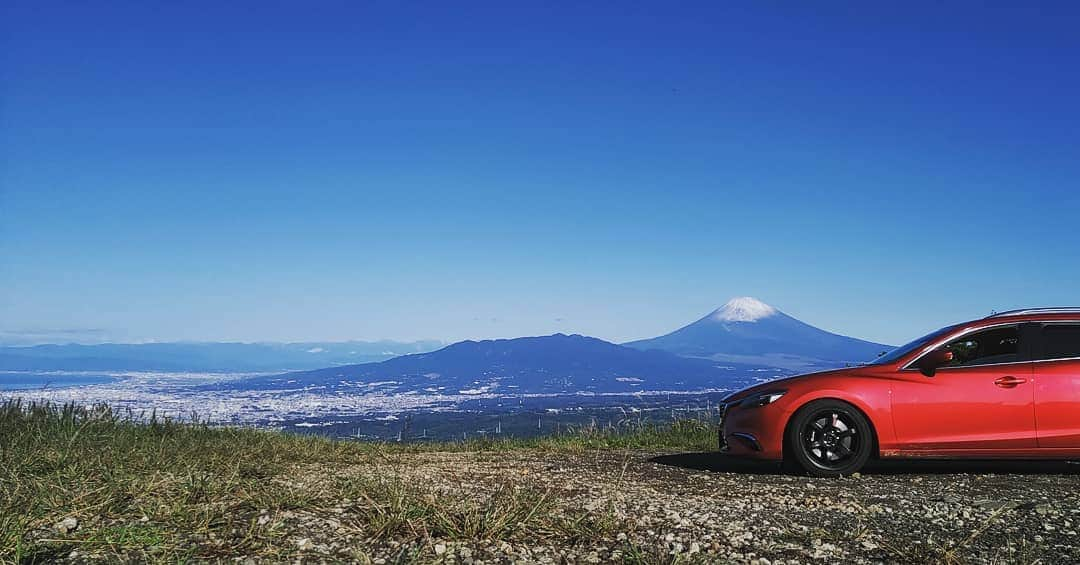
[(1057, 386), (982, 401)]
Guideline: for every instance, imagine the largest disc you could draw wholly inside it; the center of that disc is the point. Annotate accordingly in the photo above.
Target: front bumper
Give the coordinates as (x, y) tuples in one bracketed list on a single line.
[(750, 432)]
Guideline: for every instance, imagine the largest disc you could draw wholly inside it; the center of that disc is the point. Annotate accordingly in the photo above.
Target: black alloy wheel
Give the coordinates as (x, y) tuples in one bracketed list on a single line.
[(830, 438)]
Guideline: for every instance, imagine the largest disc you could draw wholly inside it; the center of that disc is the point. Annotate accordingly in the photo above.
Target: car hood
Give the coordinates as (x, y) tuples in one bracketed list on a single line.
[(785, 383)]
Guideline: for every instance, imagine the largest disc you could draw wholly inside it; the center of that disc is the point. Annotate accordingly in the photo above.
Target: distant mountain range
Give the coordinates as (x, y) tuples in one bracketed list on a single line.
[(207, 357), (550, 364), (746, 330), (741, 342)]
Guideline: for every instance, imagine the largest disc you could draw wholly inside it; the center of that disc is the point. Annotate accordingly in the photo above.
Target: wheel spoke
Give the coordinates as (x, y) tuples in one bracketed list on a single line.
[(831, 439)]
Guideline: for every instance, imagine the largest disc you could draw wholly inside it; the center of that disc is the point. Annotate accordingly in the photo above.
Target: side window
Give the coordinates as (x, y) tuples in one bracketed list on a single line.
[(1060, 341), (988, 347)]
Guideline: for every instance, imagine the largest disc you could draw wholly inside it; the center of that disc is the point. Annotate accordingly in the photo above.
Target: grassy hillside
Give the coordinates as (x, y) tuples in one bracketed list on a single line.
[(93, 482)]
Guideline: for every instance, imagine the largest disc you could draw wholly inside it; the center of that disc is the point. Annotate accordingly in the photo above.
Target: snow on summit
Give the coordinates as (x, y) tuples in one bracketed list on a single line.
[(743, 309)]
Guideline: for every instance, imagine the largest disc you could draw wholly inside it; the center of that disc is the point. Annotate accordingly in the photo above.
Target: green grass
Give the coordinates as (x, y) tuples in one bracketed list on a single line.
[(161, 491)]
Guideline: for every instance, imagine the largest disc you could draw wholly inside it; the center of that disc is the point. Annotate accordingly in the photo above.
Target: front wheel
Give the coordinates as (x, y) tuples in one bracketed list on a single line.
[(830, 438)]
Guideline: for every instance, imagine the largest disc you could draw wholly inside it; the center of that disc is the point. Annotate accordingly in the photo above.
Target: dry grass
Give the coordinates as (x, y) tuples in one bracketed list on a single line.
[(163, 491)]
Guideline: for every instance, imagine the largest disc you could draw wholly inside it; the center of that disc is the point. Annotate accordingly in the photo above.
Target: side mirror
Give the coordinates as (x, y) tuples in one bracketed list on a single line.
[(930, 362)]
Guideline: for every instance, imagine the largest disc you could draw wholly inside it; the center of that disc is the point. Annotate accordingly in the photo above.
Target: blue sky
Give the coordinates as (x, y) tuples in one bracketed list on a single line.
[(322, 171)]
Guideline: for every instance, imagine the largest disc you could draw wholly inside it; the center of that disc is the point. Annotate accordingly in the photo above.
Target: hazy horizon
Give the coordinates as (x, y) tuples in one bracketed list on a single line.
[(45, 337)]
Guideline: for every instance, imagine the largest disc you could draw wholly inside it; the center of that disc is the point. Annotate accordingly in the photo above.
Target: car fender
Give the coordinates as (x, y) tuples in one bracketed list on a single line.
[(875, 402)]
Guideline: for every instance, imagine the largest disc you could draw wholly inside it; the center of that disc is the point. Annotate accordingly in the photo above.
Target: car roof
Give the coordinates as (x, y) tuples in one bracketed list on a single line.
[(1074, 310), (1032, 315)]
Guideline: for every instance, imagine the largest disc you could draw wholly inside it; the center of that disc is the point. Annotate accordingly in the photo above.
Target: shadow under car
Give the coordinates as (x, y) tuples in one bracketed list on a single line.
[(720, 463)]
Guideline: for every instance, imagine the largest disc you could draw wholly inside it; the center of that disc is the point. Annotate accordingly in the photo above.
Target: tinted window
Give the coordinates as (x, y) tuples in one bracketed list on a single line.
[(898, 353), (988, 347), (1060, 342)]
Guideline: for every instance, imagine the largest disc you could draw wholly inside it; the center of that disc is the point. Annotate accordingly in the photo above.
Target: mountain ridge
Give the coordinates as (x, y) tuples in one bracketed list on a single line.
[(554, 364)]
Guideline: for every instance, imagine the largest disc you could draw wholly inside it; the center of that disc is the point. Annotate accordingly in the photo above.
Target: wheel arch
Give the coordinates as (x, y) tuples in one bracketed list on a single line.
[(875, 448)]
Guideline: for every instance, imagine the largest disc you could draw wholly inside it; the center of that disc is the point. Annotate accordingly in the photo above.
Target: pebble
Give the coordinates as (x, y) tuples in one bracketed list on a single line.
[(67, 525)]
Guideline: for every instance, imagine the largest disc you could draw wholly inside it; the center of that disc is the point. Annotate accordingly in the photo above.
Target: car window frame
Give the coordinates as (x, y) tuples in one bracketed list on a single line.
[(1024, 347), (1039, 347)]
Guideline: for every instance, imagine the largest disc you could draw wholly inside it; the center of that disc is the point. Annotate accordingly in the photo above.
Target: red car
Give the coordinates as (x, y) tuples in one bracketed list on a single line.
[(1006, 386)]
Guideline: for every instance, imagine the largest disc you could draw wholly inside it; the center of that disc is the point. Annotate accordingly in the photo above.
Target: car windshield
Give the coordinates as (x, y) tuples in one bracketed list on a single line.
[(898, 353)]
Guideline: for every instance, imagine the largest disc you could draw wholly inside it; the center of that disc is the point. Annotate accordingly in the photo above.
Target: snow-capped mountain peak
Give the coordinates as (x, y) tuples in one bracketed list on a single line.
[(748, 330), (743, 309)]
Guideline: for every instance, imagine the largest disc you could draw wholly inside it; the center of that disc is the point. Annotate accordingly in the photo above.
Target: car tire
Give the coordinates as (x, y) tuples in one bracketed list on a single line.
[(829, 438)]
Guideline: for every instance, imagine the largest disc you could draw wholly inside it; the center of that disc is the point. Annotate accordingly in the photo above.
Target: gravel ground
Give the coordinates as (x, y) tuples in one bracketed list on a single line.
[(705, 508)]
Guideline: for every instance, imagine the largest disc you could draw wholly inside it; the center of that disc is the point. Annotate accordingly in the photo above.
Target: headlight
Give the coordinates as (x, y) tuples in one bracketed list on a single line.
[(762, 399)]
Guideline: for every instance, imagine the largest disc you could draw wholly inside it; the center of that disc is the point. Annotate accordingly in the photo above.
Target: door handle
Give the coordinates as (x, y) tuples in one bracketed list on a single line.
[(1009, 382)]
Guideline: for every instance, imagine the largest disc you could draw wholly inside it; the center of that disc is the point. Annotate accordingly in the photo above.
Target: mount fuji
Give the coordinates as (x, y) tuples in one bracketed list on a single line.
[(746, 330)]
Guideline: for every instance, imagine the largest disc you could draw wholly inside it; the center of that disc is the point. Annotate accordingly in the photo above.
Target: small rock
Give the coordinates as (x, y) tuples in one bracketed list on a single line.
[(440, 548), (67, 525), (304, 544)]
